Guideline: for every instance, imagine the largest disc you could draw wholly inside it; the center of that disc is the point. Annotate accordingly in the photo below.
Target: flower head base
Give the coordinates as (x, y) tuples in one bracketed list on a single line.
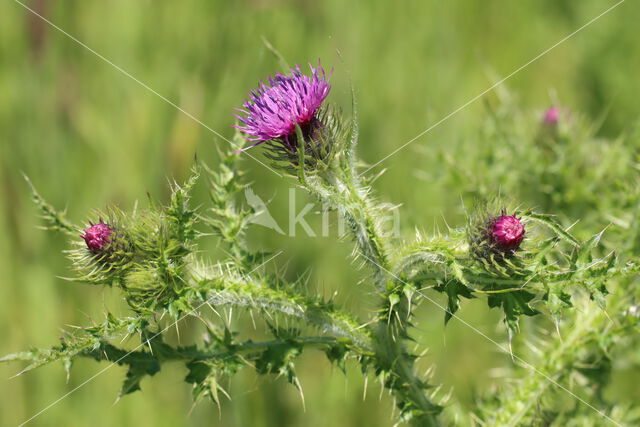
[(275, 109), (507, 232), (97, 237), (551, 116)]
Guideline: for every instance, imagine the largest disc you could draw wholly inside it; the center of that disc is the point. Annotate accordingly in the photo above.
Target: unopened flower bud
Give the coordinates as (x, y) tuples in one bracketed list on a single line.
[(506, 232), (97, 237), (551, 116)]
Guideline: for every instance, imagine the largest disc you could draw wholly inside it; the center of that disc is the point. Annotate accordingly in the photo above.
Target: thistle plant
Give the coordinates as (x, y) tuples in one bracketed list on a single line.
[(525, 263)]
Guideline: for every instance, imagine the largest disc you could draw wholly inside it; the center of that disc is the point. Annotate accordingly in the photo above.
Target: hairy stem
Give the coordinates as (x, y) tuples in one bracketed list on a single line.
[(78, 343), (402, 379), (342, 191), (249, 293)]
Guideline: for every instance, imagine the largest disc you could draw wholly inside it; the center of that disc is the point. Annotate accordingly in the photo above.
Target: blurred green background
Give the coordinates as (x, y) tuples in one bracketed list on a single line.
[(87, 136)]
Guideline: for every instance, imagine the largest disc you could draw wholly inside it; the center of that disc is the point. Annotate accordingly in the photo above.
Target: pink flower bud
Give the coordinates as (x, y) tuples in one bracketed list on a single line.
[(551, 116), (507, 232), (97, 236)]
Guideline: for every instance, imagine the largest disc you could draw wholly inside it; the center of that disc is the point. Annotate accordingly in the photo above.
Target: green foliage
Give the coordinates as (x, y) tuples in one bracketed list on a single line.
[(153, 258), (80, 342), (543, 273), (584, 356)]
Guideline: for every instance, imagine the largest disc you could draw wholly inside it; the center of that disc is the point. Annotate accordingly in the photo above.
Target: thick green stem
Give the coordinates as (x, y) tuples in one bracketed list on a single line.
[(245, 294), (343, 192), (402, 379), (111, 353)]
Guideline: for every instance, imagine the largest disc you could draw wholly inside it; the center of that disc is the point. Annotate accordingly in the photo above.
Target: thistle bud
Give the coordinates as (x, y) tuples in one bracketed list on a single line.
[(551, 116), (506, 232), (494, 237), (97, 237)]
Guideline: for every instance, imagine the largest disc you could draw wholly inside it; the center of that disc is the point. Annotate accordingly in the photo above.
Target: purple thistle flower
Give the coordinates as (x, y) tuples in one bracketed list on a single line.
[(551, 116), (97, 236), (507, 232), (274, 110)]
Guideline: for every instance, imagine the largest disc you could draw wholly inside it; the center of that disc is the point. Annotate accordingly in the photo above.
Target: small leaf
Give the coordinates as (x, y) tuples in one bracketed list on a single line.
[(514, 304), (203, 376), (582, 256), (278, 359), (337, 354), (57, 219), (454, 290), (137, 371), (598, 292)]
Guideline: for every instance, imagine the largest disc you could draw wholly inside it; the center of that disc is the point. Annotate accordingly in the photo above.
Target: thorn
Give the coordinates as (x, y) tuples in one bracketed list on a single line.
[(18, 374), (511, 347), (429, 372), (436, 391), (558, 330), (366, 385), (177, 331), (253, 320)]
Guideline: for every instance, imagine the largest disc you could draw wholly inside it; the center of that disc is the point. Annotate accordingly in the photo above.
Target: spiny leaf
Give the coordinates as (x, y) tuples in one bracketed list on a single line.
[(454, 290), (205, 383), (557, 299), (179, 213), (278, 359), (136, 372), (337, 354), (514, 304)]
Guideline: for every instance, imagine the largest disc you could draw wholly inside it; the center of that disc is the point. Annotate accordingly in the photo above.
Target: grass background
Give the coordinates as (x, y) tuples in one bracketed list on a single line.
[(88, 135)]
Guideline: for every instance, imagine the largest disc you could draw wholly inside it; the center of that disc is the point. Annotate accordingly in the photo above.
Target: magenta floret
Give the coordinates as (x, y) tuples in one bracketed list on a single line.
[(507, 232), (275, 109), (97, 237)]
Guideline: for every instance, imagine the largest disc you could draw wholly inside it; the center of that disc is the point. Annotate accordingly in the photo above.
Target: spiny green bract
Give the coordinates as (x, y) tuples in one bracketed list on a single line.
[(317, 151)]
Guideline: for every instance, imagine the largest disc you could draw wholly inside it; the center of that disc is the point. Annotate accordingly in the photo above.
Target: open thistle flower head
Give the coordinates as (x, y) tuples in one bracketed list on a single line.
[(273, 111), (97, 237), (506, 232)]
